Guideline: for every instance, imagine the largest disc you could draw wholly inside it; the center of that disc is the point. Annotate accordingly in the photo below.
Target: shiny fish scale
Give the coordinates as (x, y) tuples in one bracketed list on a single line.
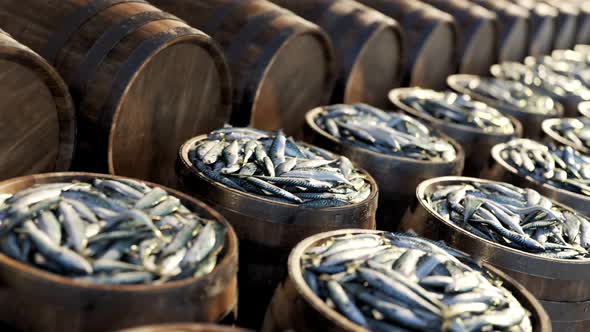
[(381, 297), (514, 94), (390, 133), (537, 226), (459, 109), (273, 165), (109, 232), (562, 166)]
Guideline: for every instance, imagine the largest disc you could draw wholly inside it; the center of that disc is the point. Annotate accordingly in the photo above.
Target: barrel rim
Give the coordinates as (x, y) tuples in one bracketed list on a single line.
[(395, 96), (460, 153), (453, 82), (197, 37), (185, 327), (66, 112), (547, 127), (498, 148), (426, 184), (231, 248), (375, 29), (187, 164), (295, 273)]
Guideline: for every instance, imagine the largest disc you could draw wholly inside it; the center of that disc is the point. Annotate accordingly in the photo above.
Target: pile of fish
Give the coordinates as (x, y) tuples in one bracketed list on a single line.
[(394, 134), (460, 109), (513, 93), (540, 76), (514, 217), (566, 64), (108, 232), (399, 282), (577, 131), (278, 168), (559, 166)]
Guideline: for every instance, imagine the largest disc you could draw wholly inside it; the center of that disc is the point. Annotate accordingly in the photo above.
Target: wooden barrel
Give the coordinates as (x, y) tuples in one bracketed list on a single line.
[(476, 143), (281, 64), (563, 282), (429, 37), (513, 27), (35, 300), (267, 230), (476, 34), (543, 20), (142, 80), (583, 32), (184, 327), (295, 307), (368, 47), (500, 170), (531, 122), (37, 121), (565, 37), (396, 177)]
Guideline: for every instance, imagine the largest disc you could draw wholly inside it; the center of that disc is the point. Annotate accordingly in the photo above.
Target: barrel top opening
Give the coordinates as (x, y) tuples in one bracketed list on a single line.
[(548, 128), (280, 100), (377, 68), (558, 265), (186, 147), (181, 91), (23, 182), (313, 114)]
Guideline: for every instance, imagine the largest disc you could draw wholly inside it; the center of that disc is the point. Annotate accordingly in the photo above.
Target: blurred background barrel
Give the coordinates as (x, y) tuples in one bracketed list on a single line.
[(476, 34), (429, 36), (281, 64), (37, 121), (142, 80), (368, 47), (565, 37), (543, 20), (513, 27), (583, 31)]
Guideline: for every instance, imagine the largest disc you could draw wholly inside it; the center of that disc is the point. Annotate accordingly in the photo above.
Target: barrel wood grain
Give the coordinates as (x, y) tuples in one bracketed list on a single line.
[(37, 117)]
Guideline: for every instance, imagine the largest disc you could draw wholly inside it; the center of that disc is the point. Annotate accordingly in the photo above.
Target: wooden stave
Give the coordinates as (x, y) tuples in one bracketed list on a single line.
[(351, 26), (294, 307), (473, 141), (42, 301), (546, 279), (74, 26), (474, 23), (565, 35), (419, 21), (258, 50), (13, 51), (397, 192), (267, 230)]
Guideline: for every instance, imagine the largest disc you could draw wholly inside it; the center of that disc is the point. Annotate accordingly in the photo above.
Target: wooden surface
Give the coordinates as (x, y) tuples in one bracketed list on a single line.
[(543, 20), (294, 307), (396, 177), (476, 34), (142, 80), (513, 26), (281, 64), (475, 142), (366, 42), (429, 41), (531, 122), (37, 118), (267, 231), (568, 316), (185, 328), (583, 31), (36, 300), (565, 36), (547, 279)]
